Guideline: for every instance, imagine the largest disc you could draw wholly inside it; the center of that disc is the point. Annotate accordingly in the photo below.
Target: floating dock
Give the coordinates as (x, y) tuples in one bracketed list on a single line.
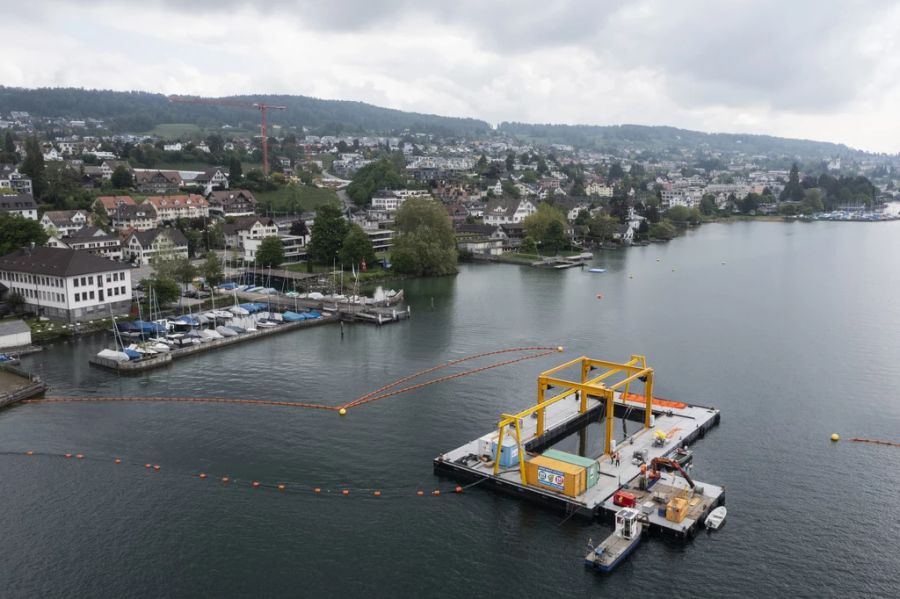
[(538, 428), (166, 358)]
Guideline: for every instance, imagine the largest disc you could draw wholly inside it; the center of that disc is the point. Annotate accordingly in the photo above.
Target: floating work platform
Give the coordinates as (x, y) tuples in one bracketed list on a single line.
[(580, 404)]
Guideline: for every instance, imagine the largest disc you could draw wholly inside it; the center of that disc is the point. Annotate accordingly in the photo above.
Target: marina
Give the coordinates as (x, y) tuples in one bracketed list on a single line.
[(625, 475)]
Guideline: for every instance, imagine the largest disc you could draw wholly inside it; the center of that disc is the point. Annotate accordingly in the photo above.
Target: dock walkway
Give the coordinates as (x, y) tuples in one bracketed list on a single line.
[(17, 384), (164, 359)]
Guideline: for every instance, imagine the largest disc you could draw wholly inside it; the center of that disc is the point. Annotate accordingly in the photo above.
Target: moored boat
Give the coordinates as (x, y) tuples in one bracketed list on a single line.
[(617, 546), (716, 518)]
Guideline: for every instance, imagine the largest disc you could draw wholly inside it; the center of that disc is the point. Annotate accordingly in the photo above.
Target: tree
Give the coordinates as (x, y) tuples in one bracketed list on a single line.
[(357, 247), (9, 149), (235, 171), (750, 203), (602, 227), (708, 204), (510, 161), (425, 243), (18, 232), (662, 230), (299, 228), (328, 232), (529, 246), (165, 290), (121, 178), (33, 166), (793, 191), (270, 253), (382, 174), (547, 227), (812, 199), (678, 214), (616, 172), (510, 190), (211, 269)]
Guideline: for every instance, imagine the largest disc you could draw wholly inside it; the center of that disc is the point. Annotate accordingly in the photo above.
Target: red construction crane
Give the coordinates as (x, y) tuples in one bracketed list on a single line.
[(262, 107)]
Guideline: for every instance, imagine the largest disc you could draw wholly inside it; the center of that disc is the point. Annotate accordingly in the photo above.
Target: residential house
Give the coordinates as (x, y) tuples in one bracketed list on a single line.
[(66, 284), (19, 203), (599, 189), (108, 166), (481, 239), (157, 181), (140, 247), (213, 178), (458, 212), (64, 222), (502, 211), (16, 181), (109, 203), (91, 239), (170, 208), (141, 217), (246, 234), (236, 202)]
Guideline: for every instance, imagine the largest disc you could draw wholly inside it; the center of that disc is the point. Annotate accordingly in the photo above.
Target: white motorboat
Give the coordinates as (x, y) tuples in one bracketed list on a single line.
[(716, 517)]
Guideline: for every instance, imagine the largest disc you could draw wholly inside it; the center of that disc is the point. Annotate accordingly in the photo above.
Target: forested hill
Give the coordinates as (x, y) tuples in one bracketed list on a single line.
[(655, 139), (141, 111)]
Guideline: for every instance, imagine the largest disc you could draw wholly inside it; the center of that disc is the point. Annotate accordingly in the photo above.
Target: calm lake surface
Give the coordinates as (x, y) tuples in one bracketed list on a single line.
[(795, 336)]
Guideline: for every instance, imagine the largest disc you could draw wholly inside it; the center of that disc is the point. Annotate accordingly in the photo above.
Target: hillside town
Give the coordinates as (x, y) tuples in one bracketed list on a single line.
[(107, 203)]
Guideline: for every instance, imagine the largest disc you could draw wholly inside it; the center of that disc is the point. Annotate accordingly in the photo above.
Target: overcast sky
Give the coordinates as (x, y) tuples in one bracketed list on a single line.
[(816, 69)]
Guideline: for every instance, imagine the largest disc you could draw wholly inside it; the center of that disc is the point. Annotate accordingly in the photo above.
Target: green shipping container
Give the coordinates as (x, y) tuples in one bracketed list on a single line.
[(591, 466)]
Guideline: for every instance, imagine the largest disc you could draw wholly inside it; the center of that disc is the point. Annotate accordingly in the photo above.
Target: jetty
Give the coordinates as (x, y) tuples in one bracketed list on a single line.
[(166, 358), (17, 384), (561, 262), (513, 459)]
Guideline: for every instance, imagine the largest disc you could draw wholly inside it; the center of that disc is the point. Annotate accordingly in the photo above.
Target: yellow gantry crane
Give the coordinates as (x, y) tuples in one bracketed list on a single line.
[(599, 387)]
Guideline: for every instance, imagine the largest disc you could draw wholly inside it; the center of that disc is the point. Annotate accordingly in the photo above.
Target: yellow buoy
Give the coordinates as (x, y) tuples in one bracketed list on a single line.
[(342, 411), (835, 437), (560, 348)]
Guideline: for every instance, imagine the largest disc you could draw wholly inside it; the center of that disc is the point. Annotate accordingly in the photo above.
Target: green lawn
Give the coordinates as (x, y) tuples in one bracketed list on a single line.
[(176, 130), (295, 198)]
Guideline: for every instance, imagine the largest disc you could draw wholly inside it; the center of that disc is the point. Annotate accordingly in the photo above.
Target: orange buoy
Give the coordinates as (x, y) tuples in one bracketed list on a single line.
[(256, 484), (118, 460), (420, 493), (377, 493), (156, 466), (29, 452), (317, 490), (225, 479), (148, 465), (458, 489), (68, 455), (345, 492), (436, 492), (280, 487), (79, 456), (202, 475)]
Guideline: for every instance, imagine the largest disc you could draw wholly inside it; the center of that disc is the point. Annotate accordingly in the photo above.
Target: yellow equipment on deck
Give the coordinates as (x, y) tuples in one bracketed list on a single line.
[(599, 387)]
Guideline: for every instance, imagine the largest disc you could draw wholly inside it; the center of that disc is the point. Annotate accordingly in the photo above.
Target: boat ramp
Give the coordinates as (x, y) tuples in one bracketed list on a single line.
[(606, 486)]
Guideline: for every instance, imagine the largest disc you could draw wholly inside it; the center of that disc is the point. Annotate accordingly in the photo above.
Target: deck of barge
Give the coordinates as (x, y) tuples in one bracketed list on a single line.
[(682, 425)]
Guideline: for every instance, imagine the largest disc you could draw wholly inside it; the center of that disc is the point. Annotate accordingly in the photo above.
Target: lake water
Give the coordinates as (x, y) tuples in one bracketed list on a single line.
[(791, 329)]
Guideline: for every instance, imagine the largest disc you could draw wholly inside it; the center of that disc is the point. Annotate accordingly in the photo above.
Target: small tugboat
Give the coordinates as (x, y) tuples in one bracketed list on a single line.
[(716, 518), (617, 546)]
